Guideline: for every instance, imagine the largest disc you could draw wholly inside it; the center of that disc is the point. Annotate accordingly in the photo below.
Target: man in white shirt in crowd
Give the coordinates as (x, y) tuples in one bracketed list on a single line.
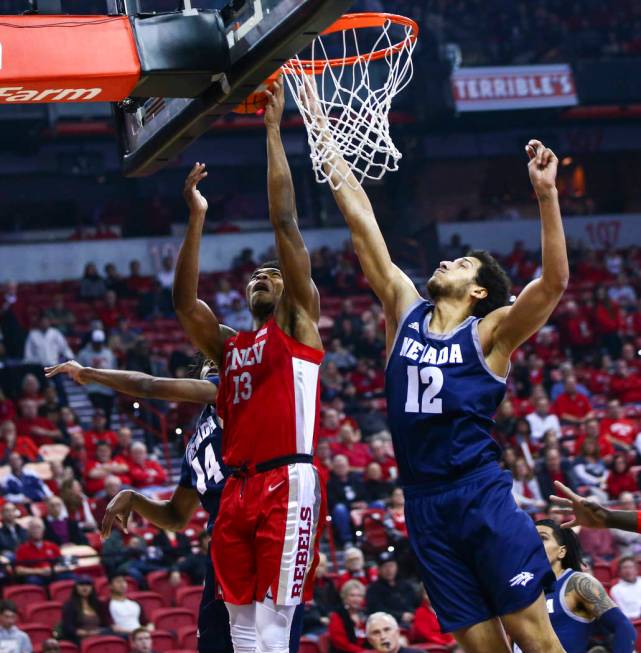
[(627, 592), (127, 615), (629, 543), (98, 355), (541, 420), (12, 639)]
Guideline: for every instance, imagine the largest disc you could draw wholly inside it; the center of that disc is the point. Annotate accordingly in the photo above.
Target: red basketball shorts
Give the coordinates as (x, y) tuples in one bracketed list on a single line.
[(266, 535)]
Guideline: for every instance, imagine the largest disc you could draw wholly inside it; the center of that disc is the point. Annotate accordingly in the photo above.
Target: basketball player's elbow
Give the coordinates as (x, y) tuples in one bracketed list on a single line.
[(556, 284)]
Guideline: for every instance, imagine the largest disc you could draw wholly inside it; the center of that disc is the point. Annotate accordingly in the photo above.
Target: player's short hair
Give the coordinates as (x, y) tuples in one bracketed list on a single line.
[(274, 263), (565, 537), (494, 279)]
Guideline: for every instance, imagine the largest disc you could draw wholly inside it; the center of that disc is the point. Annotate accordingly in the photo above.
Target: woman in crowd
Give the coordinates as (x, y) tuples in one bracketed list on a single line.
[(621, 478), (84, 614), (77, 504), (590, 470), (525, 488), (347, 624)]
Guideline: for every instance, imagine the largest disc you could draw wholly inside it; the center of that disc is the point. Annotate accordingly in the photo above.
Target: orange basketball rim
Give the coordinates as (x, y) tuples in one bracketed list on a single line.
[(349, 22)]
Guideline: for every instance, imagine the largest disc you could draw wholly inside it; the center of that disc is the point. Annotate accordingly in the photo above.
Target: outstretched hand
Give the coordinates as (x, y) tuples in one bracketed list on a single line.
[(275, 103), (71, 368), (195, 199), (585, 512), (542, 167), (118, 510)]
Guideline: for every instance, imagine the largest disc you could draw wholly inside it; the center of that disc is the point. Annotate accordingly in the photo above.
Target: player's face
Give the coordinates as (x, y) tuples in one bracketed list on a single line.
[(264, 290), (554, 551), (454, 279), (383, 635)]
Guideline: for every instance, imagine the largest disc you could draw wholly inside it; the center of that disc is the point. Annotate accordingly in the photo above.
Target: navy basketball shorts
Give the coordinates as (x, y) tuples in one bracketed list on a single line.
[(480, 555), (213, 621)]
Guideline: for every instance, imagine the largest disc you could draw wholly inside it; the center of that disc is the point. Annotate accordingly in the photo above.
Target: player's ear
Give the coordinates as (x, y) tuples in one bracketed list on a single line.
[(563, 551), (478, 292)]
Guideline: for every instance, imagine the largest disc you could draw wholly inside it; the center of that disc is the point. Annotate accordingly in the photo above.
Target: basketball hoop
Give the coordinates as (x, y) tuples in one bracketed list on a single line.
[(351, 99)]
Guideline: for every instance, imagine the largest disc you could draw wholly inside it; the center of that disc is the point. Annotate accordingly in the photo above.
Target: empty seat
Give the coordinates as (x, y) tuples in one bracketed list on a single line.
[(162, 640), (186, 637), (44, 612), (149, 601), (172, 619), (68, 647), (104, 644), (37, 632), (24, 595), (60, 590), (189, 598)]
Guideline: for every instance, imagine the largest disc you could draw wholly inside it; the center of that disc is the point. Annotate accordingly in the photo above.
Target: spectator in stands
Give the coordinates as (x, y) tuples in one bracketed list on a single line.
[(10, 441), (46, 345), (11, 533), (560, 377), (554, 468), (505, 422), (102, 466), (76, 459), (339, 355), (572, 406), (396, 513), (13, 334), (98, 432), (141, 641), (41, 429), (61, 317), (626, 383), (427, 629), (135, 283), (347, 632), (111, 311), (384, 635), (195, 563), (59, 527), (354, 568), (380, 449), (92, 285), (330, 424), (12, 639), (349, 445), (326, 600), (627, 592), (629, 543), (225, 296), (139, 356), (84, 614), (96, 354), (174, 547), (630, 356), (371, 421), (525, 488), (77, 504), (390, 594), (145, 473), (167, 273), (377, 489), (69, 423), (608, 321), (590, 470), (31, 391), (126, 615), (238, 317), (618, 431), (113, 280), (123, 337), (112, 485), (542, 420), (22, 486), (124, 440), (38, 561), (579, 331), (345, 492), (621, 478)]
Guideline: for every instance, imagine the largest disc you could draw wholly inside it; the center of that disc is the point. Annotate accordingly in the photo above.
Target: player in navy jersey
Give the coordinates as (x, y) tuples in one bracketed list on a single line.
[(202, 479), (578, 601), (482, 561)]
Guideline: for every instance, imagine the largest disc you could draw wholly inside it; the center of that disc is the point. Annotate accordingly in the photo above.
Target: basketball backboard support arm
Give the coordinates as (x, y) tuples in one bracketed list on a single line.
[(155, 133)]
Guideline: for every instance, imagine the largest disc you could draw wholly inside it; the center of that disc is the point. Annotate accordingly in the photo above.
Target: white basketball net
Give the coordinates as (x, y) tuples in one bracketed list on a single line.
[(349, 112)]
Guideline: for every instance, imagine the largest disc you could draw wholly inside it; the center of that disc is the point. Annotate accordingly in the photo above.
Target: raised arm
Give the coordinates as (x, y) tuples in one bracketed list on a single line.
[(195, 316), (507, 328), (292, 254), (138, 384), (392, 286)]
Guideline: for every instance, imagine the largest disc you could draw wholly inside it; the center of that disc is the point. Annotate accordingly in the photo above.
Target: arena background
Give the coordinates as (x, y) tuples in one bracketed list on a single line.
[(72, 230)]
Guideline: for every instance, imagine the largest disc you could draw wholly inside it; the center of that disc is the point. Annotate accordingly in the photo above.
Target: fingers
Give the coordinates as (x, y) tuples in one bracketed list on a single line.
[(107, 524), (564, 489), (560, 501), (197, 173), (52, 371), (569, 524)]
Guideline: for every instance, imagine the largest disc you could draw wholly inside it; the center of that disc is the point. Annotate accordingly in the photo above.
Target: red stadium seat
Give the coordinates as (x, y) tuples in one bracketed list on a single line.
[(173, 619), (162, 640), (603, 572), (44, 612), (60, 590), (37, 632), (24, 595), (149, 601), (104, 644), (158, 581), (68, 647), (186, 637), (189, 597), (181, 650), (323, 643), (637, 626), (375, 536)]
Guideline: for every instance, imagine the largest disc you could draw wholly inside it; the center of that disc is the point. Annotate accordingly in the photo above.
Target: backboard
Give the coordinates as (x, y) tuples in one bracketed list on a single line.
[(262, 34)]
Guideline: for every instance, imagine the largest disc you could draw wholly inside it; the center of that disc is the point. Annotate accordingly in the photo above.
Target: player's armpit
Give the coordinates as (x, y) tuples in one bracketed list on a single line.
[(590, 593)]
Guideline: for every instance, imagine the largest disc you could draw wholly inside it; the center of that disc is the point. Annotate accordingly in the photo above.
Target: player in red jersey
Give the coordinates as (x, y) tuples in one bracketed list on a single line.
[(265, 539)]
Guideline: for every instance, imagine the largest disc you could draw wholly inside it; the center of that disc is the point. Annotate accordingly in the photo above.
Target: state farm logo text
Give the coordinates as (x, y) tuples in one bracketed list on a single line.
[(20, 94)]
